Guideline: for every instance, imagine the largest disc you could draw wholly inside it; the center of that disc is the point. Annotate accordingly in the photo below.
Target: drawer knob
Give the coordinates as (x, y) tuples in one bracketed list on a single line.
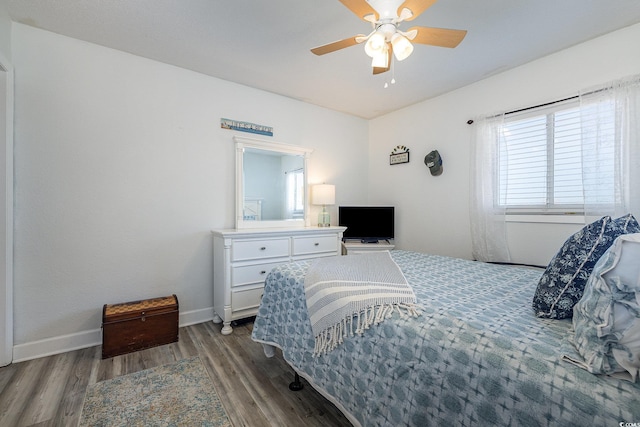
[(263, 272), (316, 244), (263, 248)]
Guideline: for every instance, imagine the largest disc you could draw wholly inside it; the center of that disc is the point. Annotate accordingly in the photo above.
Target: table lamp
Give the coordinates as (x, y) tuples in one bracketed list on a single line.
[(323, 194)]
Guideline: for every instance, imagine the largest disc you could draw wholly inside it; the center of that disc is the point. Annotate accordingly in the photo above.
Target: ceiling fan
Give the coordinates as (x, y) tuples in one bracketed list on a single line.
[(386, 38)]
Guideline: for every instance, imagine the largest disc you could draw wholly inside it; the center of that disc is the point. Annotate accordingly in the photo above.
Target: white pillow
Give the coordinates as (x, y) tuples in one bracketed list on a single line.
[(607, 318)]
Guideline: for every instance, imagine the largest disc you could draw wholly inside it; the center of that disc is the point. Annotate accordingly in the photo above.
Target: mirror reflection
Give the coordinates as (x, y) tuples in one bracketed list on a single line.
[(273, 185)]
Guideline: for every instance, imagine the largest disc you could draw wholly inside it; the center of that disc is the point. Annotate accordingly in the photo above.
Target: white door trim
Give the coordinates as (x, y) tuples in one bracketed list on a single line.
[(6, 212)]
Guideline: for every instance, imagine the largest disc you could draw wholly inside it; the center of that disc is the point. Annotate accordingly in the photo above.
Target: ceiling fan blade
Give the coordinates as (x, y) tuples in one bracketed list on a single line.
[(442, 37), (380, 70), (361, 8), (340, 44), (416, 7)]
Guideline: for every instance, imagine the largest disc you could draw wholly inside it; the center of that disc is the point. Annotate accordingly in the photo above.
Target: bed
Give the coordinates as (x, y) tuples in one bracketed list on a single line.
[(476, 355)]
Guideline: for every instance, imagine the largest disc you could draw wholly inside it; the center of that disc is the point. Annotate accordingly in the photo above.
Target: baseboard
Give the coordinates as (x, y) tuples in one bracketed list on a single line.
[(56, 345), (196, 316), (90, 338)]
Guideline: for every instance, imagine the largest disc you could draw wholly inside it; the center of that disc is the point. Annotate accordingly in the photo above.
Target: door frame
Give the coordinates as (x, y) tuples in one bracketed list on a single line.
[(6, 210)]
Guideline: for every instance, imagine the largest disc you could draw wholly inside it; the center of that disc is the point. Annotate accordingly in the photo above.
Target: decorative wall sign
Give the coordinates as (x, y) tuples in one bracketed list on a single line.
[(246, 127), (400, 154)]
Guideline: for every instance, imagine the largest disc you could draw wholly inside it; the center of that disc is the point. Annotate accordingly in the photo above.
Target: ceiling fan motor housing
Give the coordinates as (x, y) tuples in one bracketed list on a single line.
[(387, 9), (387, 29)]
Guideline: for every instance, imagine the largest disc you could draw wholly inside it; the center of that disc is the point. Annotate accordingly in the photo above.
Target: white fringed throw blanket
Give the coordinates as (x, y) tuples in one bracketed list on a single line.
[(347, 294)]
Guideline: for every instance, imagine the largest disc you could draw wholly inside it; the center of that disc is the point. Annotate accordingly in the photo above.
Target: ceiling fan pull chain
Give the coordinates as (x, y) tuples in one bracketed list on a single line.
[(393, 71), (393, 74)]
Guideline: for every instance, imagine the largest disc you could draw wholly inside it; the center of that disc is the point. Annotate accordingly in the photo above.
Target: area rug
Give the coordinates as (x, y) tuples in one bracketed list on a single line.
[(177, 394)]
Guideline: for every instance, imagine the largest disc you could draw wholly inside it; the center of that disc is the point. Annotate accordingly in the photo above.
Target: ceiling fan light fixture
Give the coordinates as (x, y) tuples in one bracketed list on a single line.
[(402, 47), (375, 45)]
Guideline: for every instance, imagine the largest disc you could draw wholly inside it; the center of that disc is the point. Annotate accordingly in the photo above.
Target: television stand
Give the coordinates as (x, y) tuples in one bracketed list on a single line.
[(351, 247)]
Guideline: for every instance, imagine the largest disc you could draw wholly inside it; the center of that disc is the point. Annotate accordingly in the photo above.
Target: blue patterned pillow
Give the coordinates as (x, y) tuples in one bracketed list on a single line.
[(562, 284), (628, 223), (607, 318)]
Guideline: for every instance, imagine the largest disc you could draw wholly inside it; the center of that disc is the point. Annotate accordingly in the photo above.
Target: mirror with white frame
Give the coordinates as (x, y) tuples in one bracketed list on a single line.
[(271, 184)]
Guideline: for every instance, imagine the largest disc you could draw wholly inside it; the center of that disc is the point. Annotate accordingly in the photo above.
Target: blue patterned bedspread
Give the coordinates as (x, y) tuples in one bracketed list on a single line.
[(476, 356)]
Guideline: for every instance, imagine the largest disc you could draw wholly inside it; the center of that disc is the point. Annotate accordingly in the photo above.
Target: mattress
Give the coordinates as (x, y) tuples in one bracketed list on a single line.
[(477, 354)]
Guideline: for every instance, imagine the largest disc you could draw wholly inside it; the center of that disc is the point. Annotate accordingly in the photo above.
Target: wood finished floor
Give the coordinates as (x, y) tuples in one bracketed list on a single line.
[(254, 390)]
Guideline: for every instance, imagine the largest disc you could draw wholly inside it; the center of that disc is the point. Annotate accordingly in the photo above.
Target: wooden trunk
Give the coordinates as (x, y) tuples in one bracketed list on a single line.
[(136, 325)]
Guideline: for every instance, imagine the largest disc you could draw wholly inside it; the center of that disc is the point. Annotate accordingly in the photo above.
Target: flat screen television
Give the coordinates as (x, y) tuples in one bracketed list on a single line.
[(367, 223)]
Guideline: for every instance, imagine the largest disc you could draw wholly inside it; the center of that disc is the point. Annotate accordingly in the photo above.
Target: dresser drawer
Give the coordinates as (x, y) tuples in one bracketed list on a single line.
[(259, 249), (255, 273), (314, 245), (250, 298)]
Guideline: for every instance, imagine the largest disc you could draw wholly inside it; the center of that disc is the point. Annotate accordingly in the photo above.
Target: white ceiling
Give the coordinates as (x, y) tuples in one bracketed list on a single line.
[(265, 44)]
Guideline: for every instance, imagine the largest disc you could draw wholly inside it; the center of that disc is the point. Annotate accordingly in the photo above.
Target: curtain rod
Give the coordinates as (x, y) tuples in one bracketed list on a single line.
[(470, 121), (293, 170)]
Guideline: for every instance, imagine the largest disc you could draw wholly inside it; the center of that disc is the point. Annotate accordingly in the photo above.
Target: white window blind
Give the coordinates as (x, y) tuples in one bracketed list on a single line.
[(540, 157)]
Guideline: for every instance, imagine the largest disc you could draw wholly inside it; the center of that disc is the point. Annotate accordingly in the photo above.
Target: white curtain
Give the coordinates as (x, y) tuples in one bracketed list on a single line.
[(488, 227), (611, 154)]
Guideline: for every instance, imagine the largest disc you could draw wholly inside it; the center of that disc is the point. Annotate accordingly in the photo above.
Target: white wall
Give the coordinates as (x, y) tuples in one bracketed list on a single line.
[(433, 212), (122, 170), (5, 32)]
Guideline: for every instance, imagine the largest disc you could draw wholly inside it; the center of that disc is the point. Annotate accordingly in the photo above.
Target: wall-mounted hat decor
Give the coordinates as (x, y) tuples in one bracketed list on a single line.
[(434, 162)]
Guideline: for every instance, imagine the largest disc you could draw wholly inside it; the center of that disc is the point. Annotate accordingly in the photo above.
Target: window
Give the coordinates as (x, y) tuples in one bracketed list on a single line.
[(295, 193), (578, 155), (540, 157)]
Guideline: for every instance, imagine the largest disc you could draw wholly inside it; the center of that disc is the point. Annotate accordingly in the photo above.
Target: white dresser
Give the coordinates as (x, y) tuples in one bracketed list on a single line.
[(242, 258)]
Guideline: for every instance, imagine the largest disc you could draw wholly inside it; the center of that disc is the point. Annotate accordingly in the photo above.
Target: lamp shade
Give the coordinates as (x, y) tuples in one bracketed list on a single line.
[(323, 194), (402, 47), (381, 60), (375, 44)]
